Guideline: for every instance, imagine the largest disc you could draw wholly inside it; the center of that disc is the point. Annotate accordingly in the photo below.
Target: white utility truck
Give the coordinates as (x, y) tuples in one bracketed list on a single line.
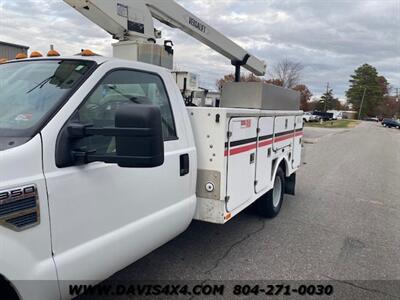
[(101, 162)]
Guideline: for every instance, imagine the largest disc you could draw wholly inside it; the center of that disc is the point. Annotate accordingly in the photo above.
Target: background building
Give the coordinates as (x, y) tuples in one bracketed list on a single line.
[(9, 51), (350, 114)]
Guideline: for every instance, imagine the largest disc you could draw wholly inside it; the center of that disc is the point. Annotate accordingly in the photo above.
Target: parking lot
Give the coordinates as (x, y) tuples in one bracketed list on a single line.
[(343, 224)]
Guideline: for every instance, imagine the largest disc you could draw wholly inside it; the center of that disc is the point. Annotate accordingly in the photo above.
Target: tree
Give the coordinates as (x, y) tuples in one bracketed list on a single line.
[(231, 78), (329, 102), (288, 73), (318, 105), (285, 65), (276, 82), (383, 84), (366, 80), (389, 107), (305, 96)]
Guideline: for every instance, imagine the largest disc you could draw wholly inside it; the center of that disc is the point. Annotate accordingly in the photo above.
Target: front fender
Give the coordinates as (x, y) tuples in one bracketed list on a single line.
[(25, 255), (31, 279)]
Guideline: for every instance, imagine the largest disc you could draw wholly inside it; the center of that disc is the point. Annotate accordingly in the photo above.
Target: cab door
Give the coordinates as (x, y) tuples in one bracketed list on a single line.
[(104, 217)]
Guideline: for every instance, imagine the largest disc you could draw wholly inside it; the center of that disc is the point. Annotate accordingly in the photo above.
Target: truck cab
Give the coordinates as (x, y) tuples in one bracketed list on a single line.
[(71, 188)]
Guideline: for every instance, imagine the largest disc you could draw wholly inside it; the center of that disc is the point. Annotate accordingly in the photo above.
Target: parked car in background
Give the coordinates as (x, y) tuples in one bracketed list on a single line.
[(309, 117), (391, 123), (337, 114), (371, 119), (324, 116)]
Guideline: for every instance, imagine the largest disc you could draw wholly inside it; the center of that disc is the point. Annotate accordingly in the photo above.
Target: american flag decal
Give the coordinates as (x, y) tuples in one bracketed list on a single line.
[(245, 123)]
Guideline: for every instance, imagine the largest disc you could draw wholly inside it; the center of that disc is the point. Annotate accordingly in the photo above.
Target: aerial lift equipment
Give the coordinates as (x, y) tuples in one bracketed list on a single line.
[(131, 22), (104, 162)]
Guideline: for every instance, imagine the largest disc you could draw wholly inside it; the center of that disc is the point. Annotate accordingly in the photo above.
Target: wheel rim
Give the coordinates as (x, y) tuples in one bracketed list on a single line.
[(277, 191)]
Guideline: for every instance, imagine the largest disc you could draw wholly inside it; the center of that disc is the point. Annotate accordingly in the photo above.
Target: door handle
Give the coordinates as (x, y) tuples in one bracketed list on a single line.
[(184, 164), (252, 158)]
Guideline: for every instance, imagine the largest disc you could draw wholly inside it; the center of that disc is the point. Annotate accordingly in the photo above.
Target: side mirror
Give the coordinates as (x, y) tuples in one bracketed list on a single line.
[(145, 147), (138, 139)]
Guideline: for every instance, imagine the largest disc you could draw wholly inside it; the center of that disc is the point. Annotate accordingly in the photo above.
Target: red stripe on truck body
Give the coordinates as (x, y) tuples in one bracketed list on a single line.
[(264, 143)]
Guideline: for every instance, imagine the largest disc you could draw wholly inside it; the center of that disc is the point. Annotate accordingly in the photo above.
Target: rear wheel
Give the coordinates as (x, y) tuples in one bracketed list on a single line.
[(270, 204)]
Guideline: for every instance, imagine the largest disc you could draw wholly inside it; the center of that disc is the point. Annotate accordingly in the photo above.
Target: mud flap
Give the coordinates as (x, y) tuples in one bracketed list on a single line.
[(290, 184)]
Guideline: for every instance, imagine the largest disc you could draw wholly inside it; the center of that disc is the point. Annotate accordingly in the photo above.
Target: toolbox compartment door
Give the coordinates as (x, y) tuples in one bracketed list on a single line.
[(241, 156), (297, 143), (264, 154), (283, 132)]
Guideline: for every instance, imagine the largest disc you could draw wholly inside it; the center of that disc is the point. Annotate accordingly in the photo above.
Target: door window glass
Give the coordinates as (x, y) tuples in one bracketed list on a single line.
[(119, 88)]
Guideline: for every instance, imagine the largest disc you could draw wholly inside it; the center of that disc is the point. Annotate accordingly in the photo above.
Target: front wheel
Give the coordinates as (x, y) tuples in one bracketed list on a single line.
[(270, 204)]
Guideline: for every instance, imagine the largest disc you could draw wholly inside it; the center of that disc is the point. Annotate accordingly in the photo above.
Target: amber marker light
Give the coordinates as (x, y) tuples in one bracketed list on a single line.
[(21, 56), (53, 53), (87, 52), (36, 54)]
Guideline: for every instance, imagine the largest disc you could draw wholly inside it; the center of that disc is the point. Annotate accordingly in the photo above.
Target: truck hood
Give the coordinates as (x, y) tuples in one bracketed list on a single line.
[(12, 142), (22, 163)]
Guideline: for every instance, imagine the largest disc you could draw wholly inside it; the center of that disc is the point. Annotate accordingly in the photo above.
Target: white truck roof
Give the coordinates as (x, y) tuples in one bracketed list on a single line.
[(99, 60)]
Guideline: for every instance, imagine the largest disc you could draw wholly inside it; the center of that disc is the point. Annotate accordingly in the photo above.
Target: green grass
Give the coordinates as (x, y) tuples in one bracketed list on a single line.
[(334, 124)]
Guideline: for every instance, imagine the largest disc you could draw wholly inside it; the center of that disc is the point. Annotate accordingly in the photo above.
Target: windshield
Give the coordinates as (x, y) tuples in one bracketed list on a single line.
[(30, 91)]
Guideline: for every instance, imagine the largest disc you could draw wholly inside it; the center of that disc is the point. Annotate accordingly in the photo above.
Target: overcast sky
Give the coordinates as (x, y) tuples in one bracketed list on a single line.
[(330, 38)]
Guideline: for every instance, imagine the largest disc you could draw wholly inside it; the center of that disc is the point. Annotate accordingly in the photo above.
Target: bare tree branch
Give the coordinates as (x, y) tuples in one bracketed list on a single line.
[(288, 72)]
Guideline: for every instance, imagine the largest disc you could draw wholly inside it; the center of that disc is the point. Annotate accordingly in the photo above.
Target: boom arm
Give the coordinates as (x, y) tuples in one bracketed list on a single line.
[(133, 20)]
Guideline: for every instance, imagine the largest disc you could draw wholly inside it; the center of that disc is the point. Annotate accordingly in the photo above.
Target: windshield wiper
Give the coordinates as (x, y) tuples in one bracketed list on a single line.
[(41, 84)]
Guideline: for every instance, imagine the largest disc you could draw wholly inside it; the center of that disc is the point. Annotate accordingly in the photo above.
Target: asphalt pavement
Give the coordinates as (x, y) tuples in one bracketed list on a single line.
[(343, 225)]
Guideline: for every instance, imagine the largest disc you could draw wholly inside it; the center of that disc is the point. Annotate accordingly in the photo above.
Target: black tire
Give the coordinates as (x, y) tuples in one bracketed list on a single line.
[(7, 291), (265, 205)]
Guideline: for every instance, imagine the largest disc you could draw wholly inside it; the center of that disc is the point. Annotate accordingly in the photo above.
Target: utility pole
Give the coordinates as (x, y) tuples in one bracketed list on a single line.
[(327, 92), (398, 100), (362, 102)]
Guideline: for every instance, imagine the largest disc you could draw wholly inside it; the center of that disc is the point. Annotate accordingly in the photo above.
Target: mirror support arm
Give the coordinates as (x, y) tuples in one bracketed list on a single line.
[(77, 130), (86, 157)]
